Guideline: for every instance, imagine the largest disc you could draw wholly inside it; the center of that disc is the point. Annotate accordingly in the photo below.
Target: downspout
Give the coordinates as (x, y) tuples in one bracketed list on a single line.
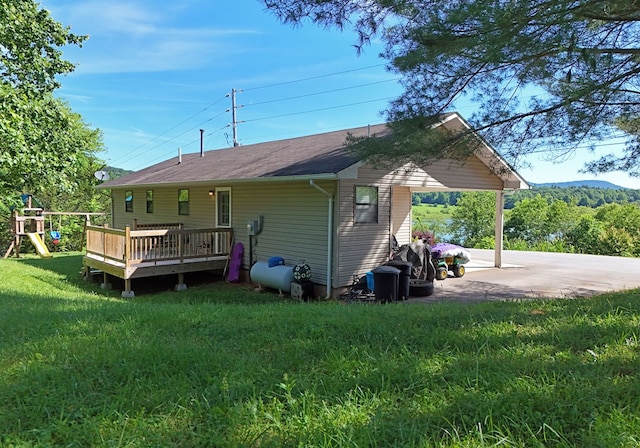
[(329, 235)]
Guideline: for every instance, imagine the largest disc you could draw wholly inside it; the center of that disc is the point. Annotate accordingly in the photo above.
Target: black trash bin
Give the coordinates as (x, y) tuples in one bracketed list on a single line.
[(385, 279), (405, 275)]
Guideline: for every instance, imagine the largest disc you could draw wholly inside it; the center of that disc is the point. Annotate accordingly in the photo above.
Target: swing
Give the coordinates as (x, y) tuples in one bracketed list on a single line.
[(55, 234)]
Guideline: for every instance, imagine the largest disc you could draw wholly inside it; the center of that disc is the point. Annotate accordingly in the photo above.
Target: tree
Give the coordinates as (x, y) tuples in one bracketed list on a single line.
[(544, 74), (30, 39), (527, 220), (535, 221), (473, 219), (42, 141), (586, 236), (622, 224)]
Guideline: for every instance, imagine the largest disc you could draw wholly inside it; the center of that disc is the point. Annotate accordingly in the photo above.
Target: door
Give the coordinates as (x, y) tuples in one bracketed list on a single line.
[(223, 218)]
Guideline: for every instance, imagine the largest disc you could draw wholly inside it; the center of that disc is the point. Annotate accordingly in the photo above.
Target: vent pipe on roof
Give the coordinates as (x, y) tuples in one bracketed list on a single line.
[(179, 155), (201, 142)]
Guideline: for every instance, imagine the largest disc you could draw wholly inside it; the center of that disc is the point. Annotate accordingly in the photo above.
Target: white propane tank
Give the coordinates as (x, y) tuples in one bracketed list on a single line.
[(276, 277)]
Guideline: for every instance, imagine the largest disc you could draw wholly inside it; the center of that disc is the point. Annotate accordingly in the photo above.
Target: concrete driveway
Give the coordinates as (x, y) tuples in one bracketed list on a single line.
[(537, 274)]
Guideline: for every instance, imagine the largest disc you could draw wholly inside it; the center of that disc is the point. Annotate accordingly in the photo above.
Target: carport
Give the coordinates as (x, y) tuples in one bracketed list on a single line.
[(496, 176)]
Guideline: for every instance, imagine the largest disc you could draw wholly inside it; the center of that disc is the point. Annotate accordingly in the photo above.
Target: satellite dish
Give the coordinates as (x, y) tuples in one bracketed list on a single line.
[(101, 175)]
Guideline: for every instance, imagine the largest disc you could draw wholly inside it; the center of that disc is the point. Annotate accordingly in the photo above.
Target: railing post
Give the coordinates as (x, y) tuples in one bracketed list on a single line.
[(181, 246), (127, 246), (104, 245)]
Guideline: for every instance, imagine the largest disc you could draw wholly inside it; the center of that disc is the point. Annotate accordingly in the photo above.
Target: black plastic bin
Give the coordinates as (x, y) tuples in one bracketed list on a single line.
[(405, 276), (386, 279)]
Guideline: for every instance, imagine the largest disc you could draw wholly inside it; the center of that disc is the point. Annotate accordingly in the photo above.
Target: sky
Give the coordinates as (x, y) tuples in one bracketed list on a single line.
[(153, 74)]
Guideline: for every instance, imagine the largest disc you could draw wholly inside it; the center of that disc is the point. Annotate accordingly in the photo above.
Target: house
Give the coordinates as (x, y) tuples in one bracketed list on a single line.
[(305, 198)]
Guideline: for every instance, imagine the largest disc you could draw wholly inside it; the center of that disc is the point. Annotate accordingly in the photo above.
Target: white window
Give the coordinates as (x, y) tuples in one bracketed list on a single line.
[(128, 201), (149, 201), (183, 202), (365, 205)]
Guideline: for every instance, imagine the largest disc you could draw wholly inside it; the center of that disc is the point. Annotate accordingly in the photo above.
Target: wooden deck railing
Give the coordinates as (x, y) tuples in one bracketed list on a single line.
[(156, 226), (135, 246)]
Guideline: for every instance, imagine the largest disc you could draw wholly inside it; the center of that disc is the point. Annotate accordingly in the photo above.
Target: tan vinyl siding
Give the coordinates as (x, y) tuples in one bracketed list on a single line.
[(362, 247), (165, 207), (294, 226), (401, 214), (446, 174), (470, 175), (294, 223)]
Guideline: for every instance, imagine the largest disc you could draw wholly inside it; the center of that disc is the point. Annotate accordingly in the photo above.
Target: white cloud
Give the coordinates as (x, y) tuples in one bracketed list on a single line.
[(140, 37)]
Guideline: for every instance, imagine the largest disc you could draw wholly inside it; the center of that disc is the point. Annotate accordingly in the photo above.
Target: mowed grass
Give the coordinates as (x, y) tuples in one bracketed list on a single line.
[(221, 365)]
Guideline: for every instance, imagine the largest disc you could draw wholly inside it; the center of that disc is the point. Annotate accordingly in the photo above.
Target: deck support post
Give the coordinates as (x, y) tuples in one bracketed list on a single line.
[(105, 281), (180, 286), (127, 293)]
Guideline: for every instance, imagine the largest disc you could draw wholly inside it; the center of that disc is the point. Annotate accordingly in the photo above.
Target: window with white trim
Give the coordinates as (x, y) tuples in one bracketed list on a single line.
[(128, 201), (183, 202), (149, 201), (365, 209)]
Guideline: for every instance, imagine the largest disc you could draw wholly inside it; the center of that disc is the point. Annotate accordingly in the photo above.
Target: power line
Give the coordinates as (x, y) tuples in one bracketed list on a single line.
[(313, 77), (164, 155), (136, 149), (174, 137), (128, 156), (320, 93), (318, 110)]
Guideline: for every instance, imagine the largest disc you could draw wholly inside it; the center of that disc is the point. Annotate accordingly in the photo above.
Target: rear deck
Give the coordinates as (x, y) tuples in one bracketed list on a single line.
[(154, 250)]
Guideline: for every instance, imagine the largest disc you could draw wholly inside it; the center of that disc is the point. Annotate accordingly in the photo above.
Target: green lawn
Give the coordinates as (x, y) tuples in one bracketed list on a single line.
[(433, 219), (433, 211), (221, 365)]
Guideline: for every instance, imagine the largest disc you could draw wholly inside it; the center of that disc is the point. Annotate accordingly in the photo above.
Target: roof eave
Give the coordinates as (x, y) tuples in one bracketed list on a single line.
[(304, 177)]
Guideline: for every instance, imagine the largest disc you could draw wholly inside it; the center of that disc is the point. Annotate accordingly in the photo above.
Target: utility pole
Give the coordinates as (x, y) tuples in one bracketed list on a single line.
[(233, 116)]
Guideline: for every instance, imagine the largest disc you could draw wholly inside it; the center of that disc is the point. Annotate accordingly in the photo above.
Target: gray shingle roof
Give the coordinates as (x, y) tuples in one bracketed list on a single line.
[(313, 155)]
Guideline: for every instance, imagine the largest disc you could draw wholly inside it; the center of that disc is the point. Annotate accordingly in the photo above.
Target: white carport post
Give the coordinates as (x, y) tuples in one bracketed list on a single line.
[(499, 228)]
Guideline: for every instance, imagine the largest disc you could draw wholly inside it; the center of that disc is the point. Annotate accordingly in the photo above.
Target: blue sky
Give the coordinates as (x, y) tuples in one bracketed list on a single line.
[(152, 74)]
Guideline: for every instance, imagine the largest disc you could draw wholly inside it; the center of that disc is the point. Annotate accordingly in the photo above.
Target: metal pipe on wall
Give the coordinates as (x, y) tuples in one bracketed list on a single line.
[(329, 235)]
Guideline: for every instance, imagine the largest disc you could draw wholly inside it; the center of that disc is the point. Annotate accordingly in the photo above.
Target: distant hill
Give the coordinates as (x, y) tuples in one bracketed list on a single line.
[(582, 183), (114, 172)]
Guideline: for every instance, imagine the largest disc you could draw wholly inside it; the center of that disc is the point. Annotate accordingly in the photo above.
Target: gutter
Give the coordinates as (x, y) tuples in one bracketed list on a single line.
[(329, 235), (225, 182)]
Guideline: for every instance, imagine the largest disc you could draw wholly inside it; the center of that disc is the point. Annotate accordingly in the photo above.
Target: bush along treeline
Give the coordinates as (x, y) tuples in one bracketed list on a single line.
[(582, 196), (544, 224)]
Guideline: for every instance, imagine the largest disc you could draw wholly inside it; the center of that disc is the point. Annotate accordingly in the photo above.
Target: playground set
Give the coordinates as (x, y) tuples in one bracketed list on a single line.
[(31, 224)]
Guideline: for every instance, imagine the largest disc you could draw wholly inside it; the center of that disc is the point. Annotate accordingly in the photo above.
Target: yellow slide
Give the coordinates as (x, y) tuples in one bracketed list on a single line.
[(37, 242)]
